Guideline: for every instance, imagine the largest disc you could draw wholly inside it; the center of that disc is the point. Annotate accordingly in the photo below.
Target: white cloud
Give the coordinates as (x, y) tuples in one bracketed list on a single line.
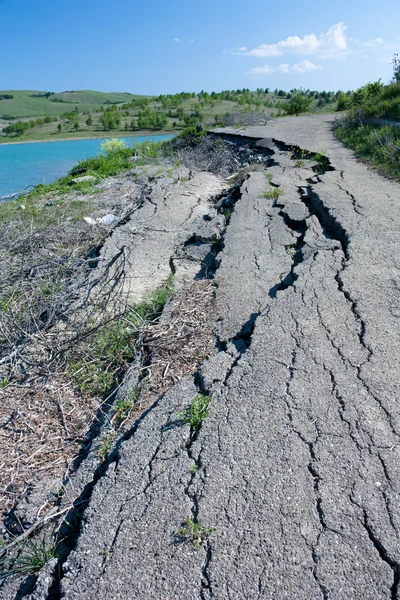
[(330, 43), (303, 67), (283, 68), (266, 69), (243, 49), (373, 43), (177, 40)]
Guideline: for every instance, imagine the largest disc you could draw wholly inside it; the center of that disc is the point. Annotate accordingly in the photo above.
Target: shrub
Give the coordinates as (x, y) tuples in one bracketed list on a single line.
[(112, 145), (298, 103)]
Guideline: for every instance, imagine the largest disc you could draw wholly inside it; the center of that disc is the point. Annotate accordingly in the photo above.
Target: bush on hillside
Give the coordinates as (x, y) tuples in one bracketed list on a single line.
[(298, 103)]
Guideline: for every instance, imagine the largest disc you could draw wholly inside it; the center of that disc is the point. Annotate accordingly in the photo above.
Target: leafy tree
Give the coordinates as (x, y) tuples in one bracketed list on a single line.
[(89, 121), (366, 93), (396, 69), (111, 118), (59, 127), (148, 119), (343, 101)]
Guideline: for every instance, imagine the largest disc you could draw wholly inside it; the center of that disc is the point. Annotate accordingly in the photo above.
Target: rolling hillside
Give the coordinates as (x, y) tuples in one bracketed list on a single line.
[(33, 103)]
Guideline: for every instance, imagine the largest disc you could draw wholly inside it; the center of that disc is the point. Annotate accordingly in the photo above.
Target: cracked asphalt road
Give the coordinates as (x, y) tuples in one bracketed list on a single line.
[(297, 465)]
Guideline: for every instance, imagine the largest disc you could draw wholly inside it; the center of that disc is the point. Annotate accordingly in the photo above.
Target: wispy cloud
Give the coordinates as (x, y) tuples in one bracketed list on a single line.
[(377, 42), (305, 66), (177, 40), (333, 42)]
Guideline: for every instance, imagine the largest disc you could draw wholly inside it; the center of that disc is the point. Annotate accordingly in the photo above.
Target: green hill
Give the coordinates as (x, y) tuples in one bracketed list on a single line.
[(33, 103)]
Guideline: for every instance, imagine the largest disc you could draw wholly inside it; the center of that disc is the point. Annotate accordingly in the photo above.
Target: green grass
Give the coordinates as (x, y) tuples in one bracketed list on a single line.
[(195, 414), (25, 104), (273, 194), (377, 100), (95, 368), (124, 406), (379, 144), (34, 554)]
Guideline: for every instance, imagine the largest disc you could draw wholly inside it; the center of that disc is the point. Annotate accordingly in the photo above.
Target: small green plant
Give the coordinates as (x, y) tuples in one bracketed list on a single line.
[(299, 163), (32, 557), (228, 213), (273, 194), (192, 531), (193, 469), (124, 406), (218, 244), (269, 177), (195, 414), (107, 351), (290, 249), (106, 444), (122, 409), (4, 382), (320, 157), (48, 288)]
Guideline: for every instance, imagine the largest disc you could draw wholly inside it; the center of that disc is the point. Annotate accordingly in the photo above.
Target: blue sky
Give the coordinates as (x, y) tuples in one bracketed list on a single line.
[(155, 46)]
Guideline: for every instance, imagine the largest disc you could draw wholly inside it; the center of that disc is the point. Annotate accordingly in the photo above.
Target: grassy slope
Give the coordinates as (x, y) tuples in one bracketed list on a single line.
[(24, 105), (378, 143)]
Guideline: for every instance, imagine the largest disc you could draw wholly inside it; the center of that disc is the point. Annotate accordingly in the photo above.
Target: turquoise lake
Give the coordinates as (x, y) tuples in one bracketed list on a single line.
[(23, 165)]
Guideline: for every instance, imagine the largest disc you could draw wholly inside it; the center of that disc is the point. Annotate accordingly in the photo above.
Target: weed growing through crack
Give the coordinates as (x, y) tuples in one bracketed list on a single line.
[(299, 163), (290, 249), (195, 414), (106, 444), (193, 469), (33, 555), (192, 531), (269, 177), (273, 194), (228, 213), (218, 244), (123, 406)]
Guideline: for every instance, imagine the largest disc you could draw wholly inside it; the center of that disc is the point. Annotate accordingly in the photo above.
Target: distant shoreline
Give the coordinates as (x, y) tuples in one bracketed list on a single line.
[(93, 137)]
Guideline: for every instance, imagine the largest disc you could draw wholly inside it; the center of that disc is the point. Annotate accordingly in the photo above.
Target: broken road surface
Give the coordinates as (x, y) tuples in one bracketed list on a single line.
[(290, 488)]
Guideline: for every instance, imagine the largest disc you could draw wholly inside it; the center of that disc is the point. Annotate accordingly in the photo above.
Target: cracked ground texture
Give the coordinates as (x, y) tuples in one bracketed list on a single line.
[(297, 465)]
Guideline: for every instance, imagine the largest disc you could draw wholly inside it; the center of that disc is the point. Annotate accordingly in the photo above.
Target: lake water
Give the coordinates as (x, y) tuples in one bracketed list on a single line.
[(22, 165)]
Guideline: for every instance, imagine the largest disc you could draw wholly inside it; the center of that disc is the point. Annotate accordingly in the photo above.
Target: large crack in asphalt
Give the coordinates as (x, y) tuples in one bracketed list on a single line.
[(76, 513), (332, 228)]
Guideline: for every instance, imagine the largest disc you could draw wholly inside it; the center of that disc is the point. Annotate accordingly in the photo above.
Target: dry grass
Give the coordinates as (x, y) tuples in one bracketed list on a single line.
[(42, 427), (182, 341)]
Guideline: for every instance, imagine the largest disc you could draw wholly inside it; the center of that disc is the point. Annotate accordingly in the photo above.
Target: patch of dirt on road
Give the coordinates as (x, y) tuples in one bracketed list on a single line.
[(183, 340)]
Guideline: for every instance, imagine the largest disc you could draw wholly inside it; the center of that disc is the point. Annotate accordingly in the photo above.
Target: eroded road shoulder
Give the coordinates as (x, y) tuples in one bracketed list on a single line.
[(289, 489)]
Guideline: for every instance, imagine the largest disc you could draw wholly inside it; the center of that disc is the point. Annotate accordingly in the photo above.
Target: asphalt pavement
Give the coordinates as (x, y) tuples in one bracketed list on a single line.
[(290, 488)]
